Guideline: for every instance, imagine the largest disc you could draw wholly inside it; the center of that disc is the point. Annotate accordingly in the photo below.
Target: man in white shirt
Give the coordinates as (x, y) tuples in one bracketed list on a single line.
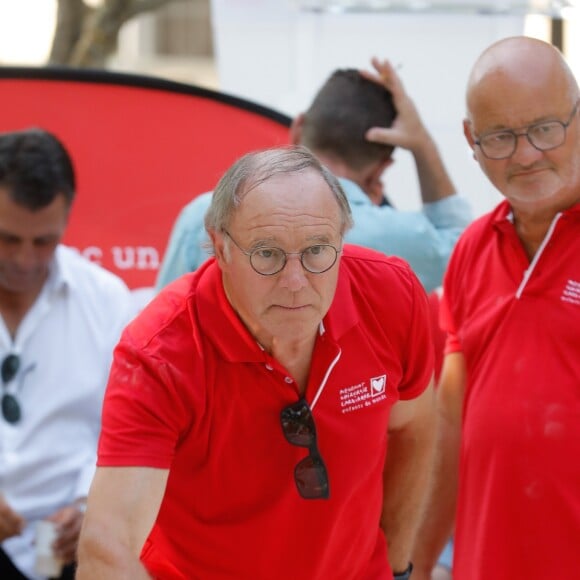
[(60, 317)]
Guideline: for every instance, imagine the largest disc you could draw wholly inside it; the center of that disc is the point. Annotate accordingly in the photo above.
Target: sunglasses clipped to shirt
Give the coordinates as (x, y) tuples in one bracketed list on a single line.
[(310, 473), (10, 406)]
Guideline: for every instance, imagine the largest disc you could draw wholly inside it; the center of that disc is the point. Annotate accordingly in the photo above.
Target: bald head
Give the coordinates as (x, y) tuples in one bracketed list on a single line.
[(521, 93), (523, 63)]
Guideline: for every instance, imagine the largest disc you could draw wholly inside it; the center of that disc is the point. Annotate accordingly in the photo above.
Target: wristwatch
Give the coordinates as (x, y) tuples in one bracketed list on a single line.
[(404, 575)]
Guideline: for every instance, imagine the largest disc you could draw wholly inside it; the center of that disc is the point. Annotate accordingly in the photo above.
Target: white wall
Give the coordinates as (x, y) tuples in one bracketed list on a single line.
[(272, 53)]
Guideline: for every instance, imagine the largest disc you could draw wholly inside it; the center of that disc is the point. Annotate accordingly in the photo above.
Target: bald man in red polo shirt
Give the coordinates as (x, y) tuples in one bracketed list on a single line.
[(510, 389)]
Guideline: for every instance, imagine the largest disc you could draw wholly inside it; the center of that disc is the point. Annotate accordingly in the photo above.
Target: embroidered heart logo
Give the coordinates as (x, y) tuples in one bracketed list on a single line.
[(378, 385)]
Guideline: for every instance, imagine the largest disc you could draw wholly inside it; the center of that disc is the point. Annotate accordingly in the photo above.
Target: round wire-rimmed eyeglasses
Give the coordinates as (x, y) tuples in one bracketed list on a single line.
[(268, 261)]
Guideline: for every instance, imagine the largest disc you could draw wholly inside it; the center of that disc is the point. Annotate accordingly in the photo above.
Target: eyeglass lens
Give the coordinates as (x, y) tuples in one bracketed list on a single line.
[(10, 407), (310, 473)]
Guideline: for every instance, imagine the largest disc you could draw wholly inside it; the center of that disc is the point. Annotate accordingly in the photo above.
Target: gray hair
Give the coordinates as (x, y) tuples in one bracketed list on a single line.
[(255, 168)]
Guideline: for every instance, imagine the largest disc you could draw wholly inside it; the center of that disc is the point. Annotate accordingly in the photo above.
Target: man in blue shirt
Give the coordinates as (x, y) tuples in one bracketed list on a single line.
[(350, 110)]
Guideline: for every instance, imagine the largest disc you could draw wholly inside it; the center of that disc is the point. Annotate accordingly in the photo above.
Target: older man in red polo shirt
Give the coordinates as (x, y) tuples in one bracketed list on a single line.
[(249, 406)]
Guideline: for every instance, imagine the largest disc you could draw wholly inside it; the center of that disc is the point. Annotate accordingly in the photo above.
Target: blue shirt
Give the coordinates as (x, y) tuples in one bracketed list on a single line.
[(423, 238)]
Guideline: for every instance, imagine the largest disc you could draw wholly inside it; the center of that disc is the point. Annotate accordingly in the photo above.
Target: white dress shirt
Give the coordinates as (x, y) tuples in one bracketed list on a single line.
[(65, 344)]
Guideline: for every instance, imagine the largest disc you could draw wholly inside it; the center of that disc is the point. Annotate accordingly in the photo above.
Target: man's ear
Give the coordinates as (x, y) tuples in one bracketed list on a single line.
[(468, 134), (218, 243), (385, 164), (373, 185), (296, 129)]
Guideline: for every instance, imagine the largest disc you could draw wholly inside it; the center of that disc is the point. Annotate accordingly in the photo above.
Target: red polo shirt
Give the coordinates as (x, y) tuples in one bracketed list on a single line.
[(518, 325), (191, 391)]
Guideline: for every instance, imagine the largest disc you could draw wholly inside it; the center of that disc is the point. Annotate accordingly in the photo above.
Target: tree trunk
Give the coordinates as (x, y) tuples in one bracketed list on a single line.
[(88, 37), (69, 24)]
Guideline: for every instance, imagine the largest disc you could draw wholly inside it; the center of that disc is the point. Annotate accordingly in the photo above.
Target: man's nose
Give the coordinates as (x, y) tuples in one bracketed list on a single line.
[(525, 152), (293, 276), (25, 256)]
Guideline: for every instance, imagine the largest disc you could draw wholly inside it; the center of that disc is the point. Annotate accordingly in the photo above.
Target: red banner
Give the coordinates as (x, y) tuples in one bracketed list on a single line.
[(142, 148)]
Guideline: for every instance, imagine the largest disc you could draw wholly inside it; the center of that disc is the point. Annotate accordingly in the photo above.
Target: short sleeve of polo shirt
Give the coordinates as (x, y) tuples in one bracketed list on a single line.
[(420, 354), (143, 421), (452, 343), (147, 409), (451, 283)]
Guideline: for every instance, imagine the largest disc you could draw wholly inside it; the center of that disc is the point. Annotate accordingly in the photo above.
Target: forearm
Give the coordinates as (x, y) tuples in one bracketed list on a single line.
[(434, 181), (438, 518), (101, 559), (121, 510), (406, 479)]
